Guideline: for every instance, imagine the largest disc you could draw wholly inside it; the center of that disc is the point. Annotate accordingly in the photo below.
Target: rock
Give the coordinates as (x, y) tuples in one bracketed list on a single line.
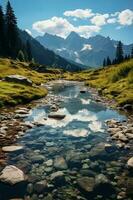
[(60, 163), (30, 188), (86, 183), (122, 137), (110, 148), (130, 186), (58, 178), (130, 162), (49, 163), (74, 159), (12, 175), (39, 187), (101, 179), (19, 79), (128, 107), (82, 91), (49, 144), (37, 159), (98, 150), (56, 116), (9, 149), (129, 135)]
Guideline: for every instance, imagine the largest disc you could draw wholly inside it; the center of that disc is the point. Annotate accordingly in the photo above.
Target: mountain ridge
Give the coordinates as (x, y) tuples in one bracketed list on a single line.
[(87, 51)]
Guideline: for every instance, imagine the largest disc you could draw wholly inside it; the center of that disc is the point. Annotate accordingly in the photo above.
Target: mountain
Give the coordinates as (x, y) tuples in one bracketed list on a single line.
[(89, 52), (45, 56)]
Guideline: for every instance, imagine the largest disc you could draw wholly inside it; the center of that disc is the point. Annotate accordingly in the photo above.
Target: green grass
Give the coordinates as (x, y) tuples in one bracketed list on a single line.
[(13, 93), (116, 82)]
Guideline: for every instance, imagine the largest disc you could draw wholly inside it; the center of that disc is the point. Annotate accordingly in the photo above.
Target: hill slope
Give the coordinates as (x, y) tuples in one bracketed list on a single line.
[(45, 56), (12, 93), (115, 82)]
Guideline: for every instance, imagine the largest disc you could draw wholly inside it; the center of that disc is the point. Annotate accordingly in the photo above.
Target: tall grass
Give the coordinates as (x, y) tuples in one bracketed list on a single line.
[(122, 72)]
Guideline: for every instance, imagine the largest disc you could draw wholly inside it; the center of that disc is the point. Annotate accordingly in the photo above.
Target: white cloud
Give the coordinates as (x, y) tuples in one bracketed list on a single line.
[(126, 17), (86, 47), (79, 13), (28, 31), (112, 20), (62, 27), (56, 25), (100, 19), (87, 31)]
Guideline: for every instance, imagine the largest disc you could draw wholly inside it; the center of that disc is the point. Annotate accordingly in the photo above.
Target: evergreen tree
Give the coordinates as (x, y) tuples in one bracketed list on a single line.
[(119, 52), (28, 50), (108, 62), (104, 62), (21, 56), (2, 33), (132, 52), (12, 35)]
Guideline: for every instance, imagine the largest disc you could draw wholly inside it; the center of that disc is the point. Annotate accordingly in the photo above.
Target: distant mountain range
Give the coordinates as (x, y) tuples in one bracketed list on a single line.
[(47, 57), (88, 52)]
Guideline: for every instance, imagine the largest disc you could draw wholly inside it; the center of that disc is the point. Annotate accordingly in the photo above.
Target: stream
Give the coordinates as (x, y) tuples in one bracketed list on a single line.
[(70, 156)]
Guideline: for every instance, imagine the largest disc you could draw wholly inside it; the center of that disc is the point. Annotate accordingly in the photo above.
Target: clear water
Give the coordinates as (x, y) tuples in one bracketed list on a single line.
[(83, 125)]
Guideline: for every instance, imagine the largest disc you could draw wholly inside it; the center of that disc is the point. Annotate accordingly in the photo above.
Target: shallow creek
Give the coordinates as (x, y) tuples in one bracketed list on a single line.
[(72, 157)]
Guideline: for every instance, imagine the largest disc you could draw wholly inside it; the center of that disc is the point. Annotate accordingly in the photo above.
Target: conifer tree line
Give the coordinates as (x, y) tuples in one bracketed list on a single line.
[(11, 45), (119, 56)]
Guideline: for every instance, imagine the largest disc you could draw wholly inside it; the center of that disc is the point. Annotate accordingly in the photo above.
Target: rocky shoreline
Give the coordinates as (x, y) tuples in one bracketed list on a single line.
[(82, 164)]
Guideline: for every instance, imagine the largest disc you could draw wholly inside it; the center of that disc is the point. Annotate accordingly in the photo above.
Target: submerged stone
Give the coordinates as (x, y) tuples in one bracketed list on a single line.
[(86, 183), (12, 175)]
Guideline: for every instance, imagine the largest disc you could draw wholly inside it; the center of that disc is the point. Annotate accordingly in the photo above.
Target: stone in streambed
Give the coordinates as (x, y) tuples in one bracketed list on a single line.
[(12, 175), (40, 186), (9, 149), (60, 163), (56, 116), (86, 184), (130, 163)]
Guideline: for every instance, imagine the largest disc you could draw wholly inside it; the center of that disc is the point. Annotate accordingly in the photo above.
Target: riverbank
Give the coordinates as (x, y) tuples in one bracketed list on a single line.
[(71, 157), (114, 83)]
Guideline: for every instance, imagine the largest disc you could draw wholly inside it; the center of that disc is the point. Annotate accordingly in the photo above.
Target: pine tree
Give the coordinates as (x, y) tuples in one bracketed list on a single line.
[(132, 52), (119, 52), (104, 62), (12, 35), (21, 56), (108, 62), (28, 49), (2, 33)]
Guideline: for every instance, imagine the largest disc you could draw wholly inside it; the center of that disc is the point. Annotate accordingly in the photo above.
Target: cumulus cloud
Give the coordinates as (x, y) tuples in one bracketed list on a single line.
[(28, 31), (86, 47), (55, 25), (126, 17), (100, 19), (112, 20), (79, 13), (62, 27)]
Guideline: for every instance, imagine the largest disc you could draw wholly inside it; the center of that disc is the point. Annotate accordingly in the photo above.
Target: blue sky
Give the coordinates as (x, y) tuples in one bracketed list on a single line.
[(113, 18)]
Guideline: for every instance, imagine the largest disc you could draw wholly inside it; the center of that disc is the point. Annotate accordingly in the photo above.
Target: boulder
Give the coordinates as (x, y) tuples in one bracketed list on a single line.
[(19, 79), (86, 184), (9, 149), (130, 162), (60, 163), (12, 175)]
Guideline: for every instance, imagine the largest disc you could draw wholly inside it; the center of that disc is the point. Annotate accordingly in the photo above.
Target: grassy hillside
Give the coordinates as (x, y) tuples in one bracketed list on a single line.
[(13, 93), (115, 82)]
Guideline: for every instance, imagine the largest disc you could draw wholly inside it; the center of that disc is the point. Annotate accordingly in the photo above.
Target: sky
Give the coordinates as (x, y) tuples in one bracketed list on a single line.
[(113, 18)]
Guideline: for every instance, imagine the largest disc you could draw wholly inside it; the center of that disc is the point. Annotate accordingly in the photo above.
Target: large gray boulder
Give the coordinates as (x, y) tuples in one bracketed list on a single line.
[(19, 79), (12, 175)]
